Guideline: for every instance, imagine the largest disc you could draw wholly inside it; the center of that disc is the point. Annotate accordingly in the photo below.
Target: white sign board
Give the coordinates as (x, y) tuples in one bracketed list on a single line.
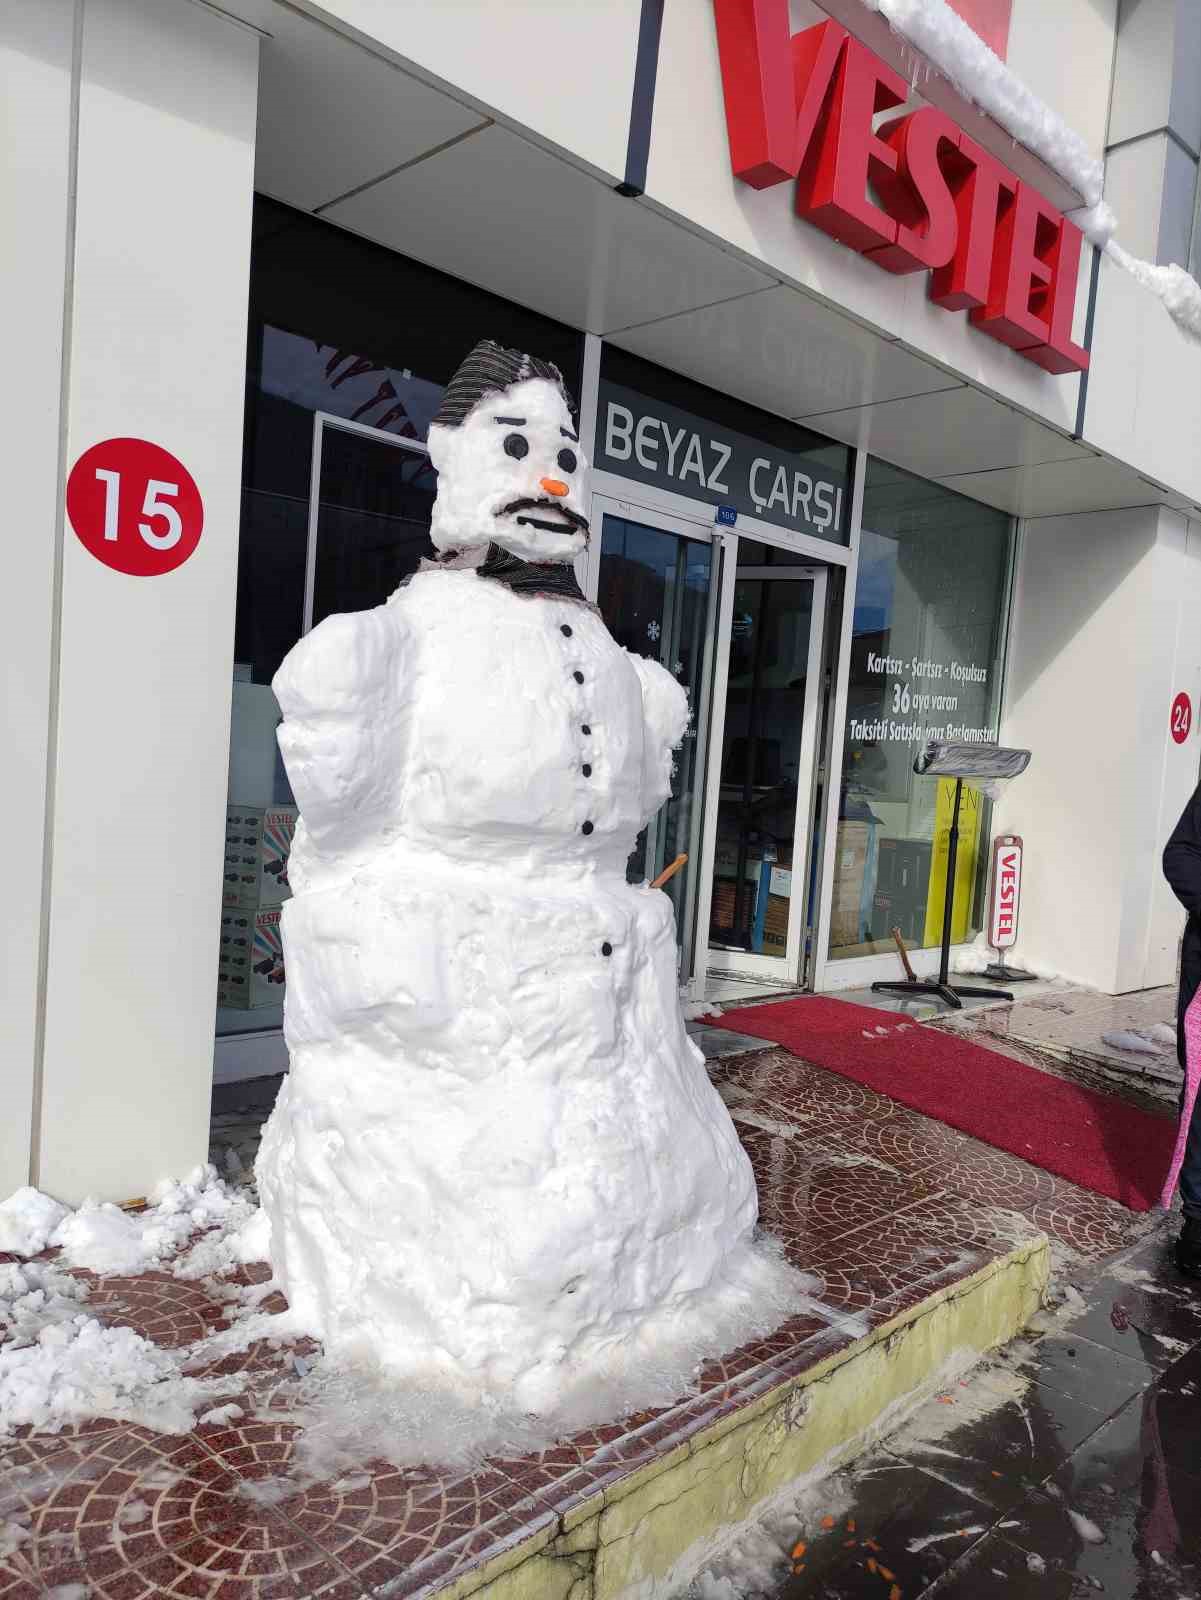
[(1006, 892)]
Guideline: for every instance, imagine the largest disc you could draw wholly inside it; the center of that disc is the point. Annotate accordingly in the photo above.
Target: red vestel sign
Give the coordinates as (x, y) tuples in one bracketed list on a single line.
[(1006, 892), (802, 107)]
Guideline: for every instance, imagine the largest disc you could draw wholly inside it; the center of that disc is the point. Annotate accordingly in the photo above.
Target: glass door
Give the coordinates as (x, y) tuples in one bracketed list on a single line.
[(759, 860), (657, 592)]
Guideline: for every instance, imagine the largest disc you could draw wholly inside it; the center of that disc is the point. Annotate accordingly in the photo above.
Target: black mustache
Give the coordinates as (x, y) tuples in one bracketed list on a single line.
[(546, 504)]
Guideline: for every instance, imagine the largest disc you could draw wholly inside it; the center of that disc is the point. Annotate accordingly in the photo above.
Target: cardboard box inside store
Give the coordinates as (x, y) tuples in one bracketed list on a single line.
[(250, 958), (258, 841)]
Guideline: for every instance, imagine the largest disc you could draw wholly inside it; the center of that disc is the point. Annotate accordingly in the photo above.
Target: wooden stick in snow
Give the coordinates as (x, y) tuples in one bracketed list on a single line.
[(669, 872)]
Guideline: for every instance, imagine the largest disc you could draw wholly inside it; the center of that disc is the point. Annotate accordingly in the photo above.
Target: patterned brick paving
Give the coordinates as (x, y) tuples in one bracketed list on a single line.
[(880, 1206)]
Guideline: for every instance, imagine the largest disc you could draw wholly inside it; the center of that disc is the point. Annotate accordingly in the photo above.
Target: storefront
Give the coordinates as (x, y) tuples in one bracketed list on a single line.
[(726, 542), (846, 514)]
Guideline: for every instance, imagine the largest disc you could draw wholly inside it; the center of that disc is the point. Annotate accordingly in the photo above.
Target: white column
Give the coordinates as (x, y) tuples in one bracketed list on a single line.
[(1104, 637), (156, 335), (36, 49)]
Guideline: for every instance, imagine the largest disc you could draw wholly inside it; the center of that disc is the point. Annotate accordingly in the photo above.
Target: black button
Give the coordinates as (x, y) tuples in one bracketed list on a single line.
[(565, 630), (585, 728), (586, 770), (587, 828), (578, 676), (606, 949)]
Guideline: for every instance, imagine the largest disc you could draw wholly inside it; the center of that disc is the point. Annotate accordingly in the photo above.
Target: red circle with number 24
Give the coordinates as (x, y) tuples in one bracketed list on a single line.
[(135, 506), (1182, 717)]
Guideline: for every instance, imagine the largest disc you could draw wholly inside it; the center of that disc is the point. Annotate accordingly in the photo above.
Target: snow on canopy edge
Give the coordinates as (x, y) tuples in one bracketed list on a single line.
[(980, 75)]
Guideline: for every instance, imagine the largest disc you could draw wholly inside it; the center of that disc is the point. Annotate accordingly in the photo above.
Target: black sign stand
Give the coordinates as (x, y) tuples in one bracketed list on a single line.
[(956, 761)]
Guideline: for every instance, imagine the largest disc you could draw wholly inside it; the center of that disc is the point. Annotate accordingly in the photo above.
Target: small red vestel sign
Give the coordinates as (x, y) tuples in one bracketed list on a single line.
[(802, 107), (1006, 892)]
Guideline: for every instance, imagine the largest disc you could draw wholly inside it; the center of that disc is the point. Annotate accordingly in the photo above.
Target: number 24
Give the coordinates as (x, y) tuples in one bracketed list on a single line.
[(154, 505)]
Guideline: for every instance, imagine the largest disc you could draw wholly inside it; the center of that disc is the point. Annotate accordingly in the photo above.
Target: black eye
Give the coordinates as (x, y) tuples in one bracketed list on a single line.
[(516, 445), (567, 460)]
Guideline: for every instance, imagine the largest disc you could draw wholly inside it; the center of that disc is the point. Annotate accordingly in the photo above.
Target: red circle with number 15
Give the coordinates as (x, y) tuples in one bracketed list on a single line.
[(135, 506)]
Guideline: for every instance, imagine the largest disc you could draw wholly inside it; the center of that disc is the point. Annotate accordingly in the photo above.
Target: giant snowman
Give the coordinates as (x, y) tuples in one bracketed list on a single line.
[(497, 1166)]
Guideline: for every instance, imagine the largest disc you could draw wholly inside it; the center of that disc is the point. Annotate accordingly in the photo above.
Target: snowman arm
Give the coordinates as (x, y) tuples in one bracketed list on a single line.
[(339, 691), (665, 721)]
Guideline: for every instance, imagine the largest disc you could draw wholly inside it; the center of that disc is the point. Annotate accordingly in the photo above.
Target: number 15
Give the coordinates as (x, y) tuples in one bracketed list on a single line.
[(155, 504)]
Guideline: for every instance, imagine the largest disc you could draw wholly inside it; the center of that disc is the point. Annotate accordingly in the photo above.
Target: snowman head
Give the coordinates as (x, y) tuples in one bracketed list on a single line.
[(510, 470)]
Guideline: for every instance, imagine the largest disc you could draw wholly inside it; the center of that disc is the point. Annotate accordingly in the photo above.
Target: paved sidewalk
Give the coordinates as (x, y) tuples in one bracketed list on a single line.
[(884, 1208), (1069, 1466)]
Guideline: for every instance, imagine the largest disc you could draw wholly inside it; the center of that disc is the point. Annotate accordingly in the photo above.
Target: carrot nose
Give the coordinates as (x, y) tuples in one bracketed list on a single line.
[(554, 486)]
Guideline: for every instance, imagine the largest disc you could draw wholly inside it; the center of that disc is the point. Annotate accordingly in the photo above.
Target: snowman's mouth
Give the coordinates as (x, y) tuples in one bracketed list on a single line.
[(566, 521)]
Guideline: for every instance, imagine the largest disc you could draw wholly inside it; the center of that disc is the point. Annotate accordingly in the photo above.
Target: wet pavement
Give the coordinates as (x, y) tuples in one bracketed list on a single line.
[(1069, 1465)]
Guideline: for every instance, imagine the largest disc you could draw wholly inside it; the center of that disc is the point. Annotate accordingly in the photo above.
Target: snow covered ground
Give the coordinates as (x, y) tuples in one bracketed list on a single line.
[(59, 1364)]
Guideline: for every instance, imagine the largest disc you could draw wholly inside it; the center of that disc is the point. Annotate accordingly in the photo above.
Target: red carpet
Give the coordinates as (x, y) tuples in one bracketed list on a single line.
[(1093, 1141)]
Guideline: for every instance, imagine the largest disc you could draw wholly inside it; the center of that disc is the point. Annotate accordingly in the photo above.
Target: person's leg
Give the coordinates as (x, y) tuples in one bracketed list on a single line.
[(1188, 1250)]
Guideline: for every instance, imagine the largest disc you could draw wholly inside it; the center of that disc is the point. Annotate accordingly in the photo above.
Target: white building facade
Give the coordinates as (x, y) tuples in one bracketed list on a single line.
[(850, 505)]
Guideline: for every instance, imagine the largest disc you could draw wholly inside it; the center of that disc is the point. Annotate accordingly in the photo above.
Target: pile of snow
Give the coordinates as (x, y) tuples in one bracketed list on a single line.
[(1157, 1040), (977, 957), (1179, 291), (694, 1009), (106, 1239), (83, 1370), (28, 1219), (983, 78), (59, 1365)]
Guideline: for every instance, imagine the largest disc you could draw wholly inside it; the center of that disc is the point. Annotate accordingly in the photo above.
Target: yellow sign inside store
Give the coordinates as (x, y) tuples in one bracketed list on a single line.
[(965, 864)]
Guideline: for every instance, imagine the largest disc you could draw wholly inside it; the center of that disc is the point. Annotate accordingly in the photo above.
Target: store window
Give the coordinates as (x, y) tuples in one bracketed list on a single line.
[(926, 662), (333, 516)]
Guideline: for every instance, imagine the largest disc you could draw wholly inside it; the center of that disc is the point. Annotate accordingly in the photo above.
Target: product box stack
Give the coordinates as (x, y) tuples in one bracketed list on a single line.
[(848, 925), (250, 967)]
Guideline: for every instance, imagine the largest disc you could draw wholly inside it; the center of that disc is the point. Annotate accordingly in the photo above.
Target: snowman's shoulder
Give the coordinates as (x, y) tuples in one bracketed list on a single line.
[(664, 702), (341, 663)]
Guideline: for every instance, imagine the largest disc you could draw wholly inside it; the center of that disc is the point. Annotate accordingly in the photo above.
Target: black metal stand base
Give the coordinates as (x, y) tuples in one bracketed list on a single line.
[(951, 994), (1000, 973)]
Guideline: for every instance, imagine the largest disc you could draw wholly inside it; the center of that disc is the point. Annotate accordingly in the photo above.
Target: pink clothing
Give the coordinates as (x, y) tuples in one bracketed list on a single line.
[(1192, 1083)]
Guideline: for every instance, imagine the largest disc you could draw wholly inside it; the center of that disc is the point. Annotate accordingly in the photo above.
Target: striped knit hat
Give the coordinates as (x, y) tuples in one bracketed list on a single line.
[(491, 369)]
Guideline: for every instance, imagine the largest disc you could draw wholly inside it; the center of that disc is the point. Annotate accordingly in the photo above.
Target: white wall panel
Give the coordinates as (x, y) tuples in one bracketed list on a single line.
[(158, 340), (1142, 72), (564, 69), (1151, 942), (500, 211), (1063, 51), (334, 115), (1104, 635), (36, 43), (1143, 386), (1134, 184)]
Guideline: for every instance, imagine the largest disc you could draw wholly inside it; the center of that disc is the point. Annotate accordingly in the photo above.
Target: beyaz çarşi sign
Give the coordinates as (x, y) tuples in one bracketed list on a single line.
[(655, 442), (1006, 892), (912, 195)]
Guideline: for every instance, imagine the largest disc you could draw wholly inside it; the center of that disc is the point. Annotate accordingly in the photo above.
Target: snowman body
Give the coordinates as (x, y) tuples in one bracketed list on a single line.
[(497, 1163)]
